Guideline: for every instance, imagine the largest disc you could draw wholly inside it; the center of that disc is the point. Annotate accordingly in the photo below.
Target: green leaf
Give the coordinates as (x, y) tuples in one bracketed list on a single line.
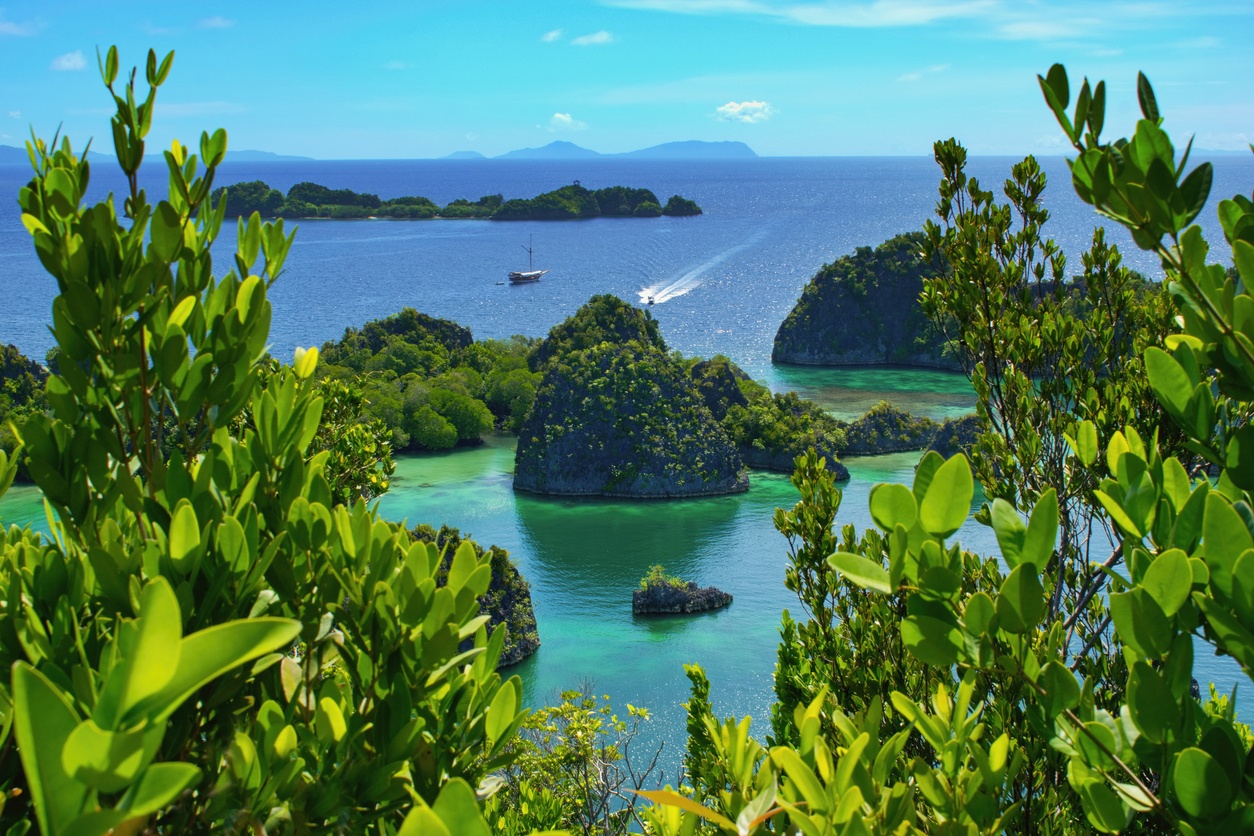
[(1141, 623), (1103, 808), (184, 537), (862, 572), (1084, 445), (1224, 538), (43, 720), (1011, 531), (947, 502), (1042, 531), (892, 505), (1169, 580), (1195, 190), (1021, 600), (148, 663), (457, 809), (503, 711), (329, 722), (668, 798), (1170, 382), (1062, 691), (1239, 459), (104, 760), (1145, 96), (1151, 704), (158, 787), (211, 652), (979, 613), (1201, 787), (931, 641), (166, 232)]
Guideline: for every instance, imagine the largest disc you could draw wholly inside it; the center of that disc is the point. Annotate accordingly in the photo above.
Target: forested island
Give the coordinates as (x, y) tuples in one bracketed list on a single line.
[(863, 309), (573, 202)]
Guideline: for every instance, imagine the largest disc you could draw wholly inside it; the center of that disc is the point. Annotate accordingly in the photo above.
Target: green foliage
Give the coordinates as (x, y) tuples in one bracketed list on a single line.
[(507, 601), (602, 319), (656, 576), (864, 309), (886, 429), (21, 395), (619, 418), (209, 642), (1078, 736), (680, 207), (429, 383), (311, 200), (574, 770)]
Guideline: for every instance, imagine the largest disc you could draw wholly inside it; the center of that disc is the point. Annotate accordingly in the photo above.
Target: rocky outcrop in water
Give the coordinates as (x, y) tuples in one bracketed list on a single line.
[(507, 601), (863, 310), (620, 418), (661, 598)]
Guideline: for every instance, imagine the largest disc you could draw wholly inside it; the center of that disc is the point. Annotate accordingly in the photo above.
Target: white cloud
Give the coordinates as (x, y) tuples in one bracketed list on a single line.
[(215, 22), (17, 30), (565, 122), (594, 39), (919, 74), (551, 36), (396, 65), (15, 114), (747, 112), (69, 62)]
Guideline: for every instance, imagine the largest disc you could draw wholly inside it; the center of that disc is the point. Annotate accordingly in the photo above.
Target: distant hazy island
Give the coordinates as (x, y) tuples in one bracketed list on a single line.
[(311, 200), (560, 150)]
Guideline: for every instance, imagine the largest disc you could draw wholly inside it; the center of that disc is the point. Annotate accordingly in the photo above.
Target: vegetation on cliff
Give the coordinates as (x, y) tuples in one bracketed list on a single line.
[(21, 394), (769, 430), (887, 429), (507, 601), (660, 593), (623, 420), (311, 200), (430, 382), (864, 309)]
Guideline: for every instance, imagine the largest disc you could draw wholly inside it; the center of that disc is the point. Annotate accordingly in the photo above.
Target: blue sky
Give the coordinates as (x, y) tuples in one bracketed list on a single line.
[(808, 77)]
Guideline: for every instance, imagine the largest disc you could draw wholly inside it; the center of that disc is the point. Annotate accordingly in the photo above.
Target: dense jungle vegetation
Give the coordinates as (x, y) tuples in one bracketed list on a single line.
[(211, 642), (311, 200)]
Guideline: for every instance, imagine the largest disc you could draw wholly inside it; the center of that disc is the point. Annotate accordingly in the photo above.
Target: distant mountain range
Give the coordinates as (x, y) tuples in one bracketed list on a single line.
[(12, 155), (690, 150), (263, 157)]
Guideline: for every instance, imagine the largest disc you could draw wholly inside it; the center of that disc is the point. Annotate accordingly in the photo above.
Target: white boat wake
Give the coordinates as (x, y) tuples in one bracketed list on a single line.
[(691, 280)]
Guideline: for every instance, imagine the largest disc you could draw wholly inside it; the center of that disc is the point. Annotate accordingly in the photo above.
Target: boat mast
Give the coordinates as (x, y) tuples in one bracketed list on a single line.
[(530, 266)]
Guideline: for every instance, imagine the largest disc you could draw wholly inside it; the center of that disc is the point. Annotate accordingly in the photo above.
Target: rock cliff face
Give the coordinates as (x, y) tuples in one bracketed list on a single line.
[(667, 598), (863, 309), (615, 415), (507, 601)]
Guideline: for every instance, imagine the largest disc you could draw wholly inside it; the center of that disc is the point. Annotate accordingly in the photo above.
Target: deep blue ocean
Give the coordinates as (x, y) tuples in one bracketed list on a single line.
[(722, 281)]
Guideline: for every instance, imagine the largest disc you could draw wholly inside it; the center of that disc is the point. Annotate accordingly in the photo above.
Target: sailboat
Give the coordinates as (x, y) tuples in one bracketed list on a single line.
[(530, 274)]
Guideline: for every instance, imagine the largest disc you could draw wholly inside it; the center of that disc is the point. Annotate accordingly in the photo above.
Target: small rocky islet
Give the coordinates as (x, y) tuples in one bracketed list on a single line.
[(662, 594)]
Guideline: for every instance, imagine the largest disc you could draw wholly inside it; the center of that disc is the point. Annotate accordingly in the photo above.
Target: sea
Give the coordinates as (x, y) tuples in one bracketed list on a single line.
[(721, 283)]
